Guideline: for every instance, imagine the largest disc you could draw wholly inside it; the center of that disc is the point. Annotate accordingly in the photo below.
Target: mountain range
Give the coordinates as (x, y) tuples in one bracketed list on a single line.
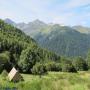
[(63, 40)]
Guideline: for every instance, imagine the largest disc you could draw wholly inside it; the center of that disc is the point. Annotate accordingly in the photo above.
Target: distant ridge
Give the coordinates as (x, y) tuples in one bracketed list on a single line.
[(9, 21), (63, 40)]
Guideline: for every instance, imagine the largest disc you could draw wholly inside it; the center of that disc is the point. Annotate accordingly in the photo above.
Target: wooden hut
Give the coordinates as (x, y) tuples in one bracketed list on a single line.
[(14, 75)]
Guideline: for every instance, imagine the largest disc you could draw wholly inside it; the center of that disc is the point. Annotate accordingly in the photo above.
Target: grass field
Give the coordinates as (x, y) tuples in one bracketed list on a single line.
[(52, 81)]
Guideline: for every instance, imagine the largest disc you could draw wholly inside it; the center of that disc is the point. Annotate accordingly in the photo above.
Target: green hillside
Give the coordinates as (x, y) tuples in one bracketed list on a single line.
[(19, 50), (64, 40)]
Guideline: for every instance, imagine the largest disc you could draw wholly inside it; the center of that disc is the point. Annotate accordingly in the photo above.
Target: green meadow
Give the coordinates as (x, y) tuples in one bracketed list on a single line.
[(51, 81)]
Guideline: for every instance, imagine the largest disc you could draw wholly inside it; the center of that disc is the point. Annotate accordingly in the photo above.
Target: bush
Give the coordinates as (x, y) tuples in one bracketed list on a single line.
[(4, 74), (53, 66), (4, 61), (80, 64), (67, 66), (39, 69)]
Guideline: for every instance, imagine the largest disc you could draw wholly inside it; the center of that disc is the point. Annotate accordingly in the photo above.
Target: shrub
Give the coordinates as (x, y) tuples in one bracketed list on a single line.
[(4, 74), (67, 66), (80, 64), (39, 69), (53, 66), (4, 61)]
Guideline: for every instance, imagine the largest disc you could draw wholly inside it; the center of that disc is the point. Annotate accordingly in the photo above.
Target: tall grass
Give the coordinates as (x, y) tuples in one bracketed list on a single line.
[(52, 81)]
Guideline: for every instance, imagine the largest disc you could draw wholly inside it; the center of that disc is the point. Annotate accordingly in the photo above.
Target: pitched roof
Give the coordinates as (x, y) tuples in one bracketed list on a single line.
[(12, 73)]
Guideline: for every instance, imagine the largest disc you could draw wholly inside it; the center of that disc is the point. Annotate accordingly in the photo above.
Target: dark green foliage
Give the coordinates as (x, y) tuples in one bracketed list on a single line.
[(4, 58), (80, 64), (67, 66), (39, 69), (28, 58), (34, 54), (4, 61), (4, 74), (53, 66)]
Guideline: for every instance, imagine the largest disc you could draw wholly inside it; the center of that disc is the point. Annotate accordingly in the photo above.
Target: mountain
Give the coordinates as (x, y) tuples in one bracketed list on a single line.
[(82, 29), (32, 27), (63, 40), (9, 21)]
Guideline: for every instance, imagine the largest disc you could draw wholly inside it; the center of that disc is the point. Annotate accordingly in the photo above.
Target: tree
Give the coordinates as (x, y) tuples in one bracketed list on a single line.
[(39, 69), (80, 64), (4, 74), (53, 66), (67, 66), (28, 58), (33, 54), (4, 61)]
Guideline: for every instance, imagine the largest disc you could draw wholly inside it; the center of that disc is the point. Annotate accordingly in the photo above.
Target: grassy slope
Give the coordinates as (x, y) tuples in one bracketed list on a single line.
[(52, 81)]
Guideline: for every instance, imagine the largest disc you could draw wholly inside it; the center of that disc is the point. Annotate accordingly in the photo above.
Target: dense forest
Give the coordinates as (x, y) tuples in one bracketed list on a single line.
[(19, 50)]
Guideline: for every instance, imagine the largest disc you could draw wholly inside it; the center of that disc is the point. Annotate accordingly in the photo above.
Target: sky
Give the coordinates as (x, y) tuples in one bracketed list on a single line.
[(65, 12)]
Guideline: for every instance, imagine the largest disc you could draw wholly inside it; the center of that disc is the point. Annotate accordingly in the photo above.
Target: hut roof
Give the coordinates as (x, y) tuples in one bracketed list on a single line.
[(12, 73)]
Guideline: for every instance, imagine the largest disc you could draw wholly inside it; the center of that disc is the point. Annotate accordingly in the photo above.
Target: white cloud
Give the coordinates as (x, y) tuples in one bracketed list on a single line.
[(46, 10), (76, 3)]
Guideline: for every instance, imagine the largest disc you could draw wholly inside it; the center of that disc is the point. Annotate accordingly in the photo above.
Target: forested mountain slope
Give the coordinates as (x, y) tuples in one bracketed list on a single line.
[(18, 49), (63, 40)]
